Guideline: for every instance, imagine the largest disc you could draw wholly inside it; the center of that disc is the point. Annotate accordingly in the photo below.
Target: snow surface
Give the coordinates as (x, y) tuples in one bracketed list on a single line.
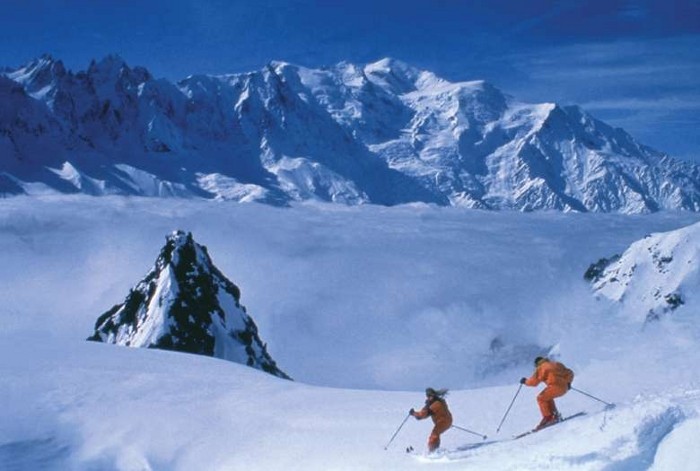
[(364, 307)]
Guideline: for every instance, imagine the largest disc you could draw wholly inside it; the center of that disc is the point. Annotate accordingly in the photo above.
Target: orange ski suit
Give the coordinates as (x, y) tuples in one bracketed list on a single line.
[(442, 420), (557, 377)]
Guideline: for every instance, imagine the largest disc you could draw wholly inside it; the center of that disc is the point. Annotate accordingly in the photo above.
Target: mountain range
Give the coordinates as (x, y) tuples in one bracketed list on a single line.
[(383, 133)]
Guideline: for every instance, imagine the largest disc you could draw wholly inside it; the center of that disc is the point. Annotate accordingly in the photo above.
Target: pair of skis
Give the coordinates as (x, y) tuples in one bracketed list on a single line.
[(410, 449), (535, 430)]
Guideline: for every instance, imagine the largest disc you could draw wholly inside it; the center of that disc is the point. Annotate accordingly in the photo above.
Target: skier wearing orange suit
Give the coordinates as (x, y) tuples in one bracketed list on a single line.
[(435, 408), (558, 379)]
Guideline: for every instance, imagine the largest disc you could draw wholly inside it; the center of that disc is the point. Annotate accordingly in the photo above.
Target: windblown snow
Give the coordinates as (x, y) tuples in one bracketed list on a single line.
[(365, 306)]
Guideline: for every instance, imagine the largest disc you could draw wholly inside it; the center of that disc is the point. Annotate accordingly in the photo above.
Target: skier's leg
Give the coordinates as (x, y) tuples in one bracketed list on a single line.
[(433, 441), (545, 400), (440, 427)]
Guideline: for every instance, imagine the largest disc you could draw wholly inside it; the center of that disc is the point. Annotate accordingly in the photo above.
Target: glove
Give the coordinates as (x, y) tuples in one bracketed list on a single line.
[(522, 380), (412, 412), (568, 385)]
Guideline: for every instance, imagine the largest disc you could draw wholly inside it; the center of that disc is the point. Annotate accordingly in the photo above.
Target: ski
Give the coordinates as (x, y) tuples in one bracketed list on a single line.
[(529, 432)]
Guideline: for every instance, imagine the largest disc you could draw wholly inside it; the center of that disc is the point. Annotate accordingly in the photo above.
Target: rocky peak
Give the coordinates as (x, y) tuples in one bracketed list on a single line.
[(39, 73), (186, 304), (113, 74)]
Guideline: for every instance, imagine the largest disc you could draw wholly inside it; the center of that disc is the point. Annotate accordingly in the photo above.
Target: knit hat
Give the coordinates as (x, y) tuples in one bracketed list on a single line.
[(539, 360)]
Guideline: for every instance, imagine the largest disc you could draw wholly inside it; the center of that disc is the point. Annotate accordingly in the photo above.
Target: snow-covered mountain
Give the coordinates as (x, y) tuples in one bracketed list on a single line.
[(385, 133), (654, 276), (186, 304)]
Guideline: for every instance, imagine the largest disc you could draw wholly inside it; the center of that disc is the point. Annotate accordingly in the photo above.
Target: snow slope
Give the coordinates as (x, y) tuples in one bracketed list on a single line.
[(365, 307), (654, 276), (94, 406)]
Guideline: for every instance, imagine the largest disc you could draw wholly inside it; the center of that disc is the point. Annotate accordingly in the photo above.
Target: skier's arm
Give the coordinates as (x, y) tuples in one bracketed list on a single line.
[(533, 380), (424, 413)]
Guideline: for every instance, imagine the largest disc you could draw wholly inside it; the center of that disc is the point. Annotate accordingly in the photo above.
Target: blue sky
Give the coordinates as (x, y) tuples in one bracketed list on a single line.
[(634, 64)]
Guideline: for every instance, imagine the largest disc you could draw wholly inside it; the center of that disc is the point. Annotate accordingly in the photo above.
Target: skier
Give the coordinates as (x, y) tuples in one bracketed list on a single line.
[(435, 408), (558, 379)]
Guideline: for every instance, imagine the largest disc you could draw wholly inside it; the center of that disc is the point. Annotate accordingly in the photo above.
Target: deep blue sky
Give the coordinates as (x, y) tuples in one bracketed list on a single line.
[(634, 64)]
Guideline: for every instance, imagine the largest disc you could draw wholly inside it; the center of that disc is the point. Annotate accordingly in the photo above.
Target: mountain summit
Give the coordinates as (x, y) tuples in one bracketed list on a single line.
[(186, 304), (384, 133)]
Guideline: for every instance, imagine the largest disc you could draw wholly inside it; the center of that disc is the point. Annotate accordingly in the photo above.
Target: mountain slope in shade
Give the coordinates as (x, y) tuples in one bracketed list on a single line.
[(186, 304), (654, 276), (384, 133)]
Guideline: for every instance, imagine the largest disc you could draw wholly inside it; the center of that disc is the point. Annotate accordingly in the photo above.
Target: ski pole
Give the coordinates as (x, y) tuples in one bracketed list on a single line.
[(467, 430), (593, 397), (397, 431), (511, 405)]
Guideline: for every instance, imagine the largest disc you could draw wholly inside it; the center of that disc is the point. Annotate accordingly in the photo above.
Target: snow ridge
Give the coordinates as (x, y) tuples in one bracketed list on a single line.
[(186, 304), (654, 276), (384, 133)]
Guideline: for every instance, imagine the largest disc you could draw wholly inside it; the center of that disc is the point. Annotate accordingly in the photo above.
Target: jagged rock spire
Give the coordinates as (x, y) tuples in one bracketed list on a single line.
[(186, 304)]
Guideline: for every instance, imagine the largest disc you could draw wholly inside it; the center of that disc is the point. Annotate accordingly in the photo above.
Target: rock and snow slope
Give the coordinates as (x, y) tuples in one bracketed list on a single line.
[(655, 276), (385, 133), (186, 304)]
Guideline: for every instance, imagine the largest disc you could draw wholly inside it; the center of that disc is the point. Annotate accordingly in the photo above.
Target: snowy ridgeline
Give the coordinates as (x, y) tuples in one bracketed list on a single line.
[(654, 276), (372, 299), (385, 133)]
